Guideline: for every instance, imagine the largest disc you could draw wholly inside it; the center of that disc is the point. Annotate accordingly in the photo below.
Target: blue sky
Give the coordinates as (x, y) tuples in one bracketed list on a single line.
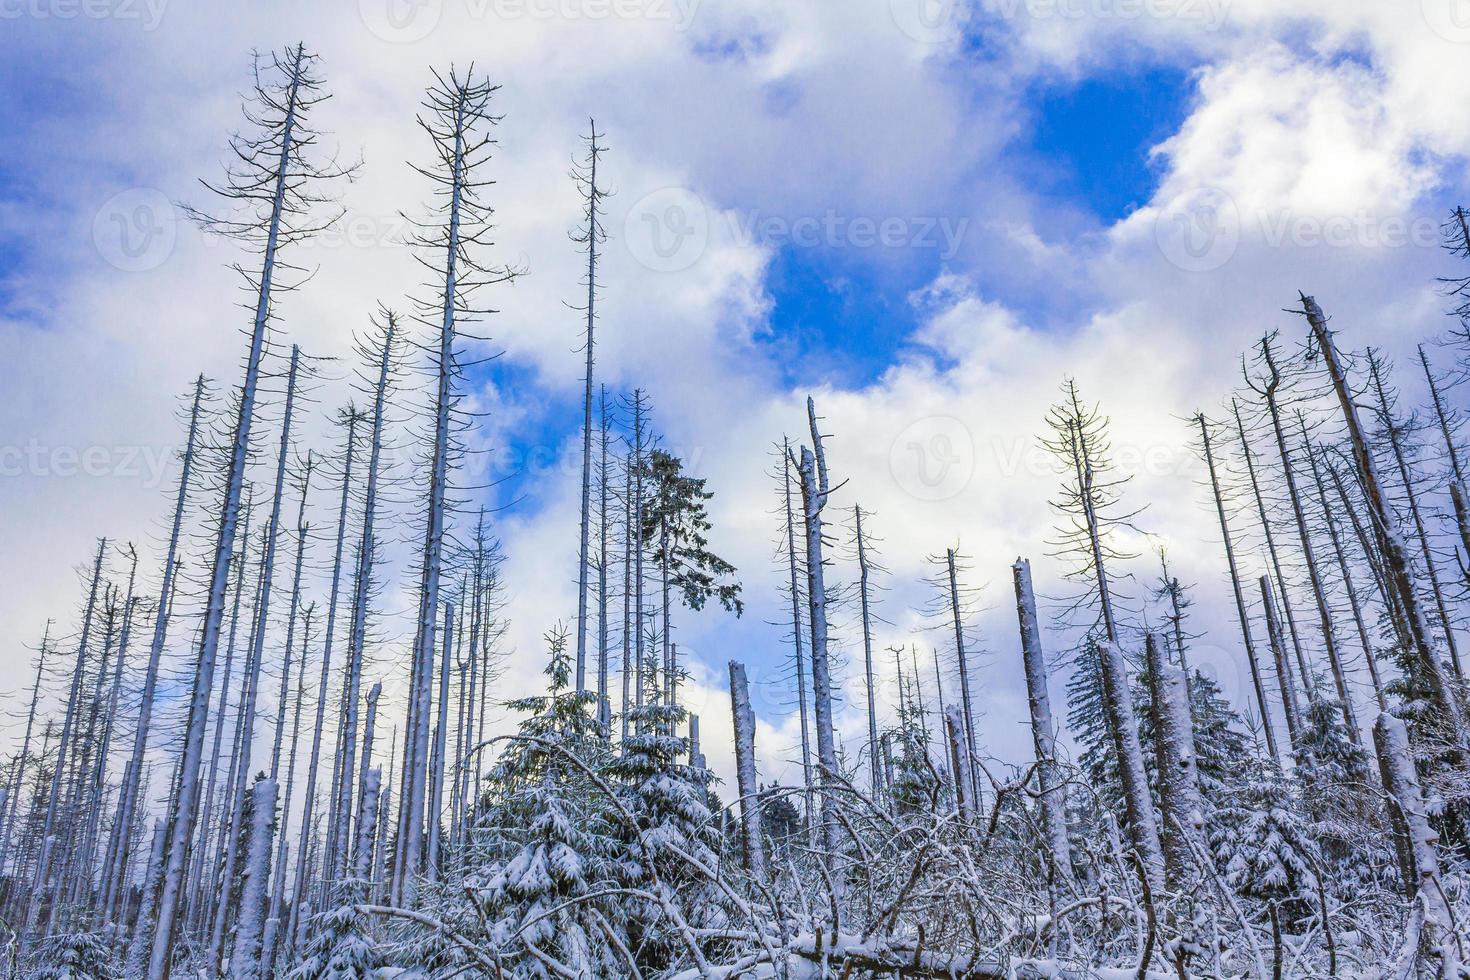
[(1032, 164)]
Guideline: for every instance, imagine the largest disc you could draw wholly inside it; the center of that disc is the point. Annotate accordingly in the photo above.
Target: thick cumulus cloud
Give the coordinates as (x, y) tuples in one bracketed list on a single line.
[(1319, 150)]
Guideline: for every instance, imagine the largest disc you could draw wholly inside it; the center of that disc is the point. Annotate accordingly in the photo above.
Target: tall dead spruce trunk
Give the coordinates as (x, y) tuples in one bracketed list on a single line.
[(1179, 795), (1268, 727), (458, 117), (591, 236), (274, 160), (1314, 576), (815, 488), (1390, 542)]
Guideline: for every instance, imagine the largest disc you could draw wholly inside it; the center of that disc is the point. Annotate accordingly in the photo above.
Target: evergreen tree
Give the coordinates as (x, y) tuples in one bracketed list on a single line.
[(339, 949), (545, 840), (75, 956)]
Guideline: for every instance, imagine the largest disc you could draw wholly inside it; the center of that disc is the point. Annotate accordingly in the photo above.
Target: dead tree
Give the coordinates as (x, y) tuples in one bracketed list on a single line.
[(750, 816), (1043, 731), (1393, 435), (1391, 544), (815, 492), (591, 235), (1268, 727), (1270, 392), (278, 183)]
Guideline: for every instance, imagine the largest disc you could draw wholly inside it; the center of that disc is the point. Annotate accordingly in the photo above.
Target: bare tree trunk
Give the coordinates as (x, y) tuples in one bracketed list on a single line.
[(278, 891), (604, 705), (1407, 478), (1345, 571), (48, 826), (367, 821), (245, 961), (1390, 543), (814, 491), (750, 818), (960, 768), (1289, 704), (361, 860), (1439, 941), (875, 768), (1043, 733), (1308, 687), (1457, 483), (801, 699), (1314, 576), (1143, 829), (25, 753), (589, 337), (128, 795), (437, 759), (137, 957), (1268, 727), (181, 836), (246, 737), (299, 888), (1179, 795), (339, 820), (962, 661)]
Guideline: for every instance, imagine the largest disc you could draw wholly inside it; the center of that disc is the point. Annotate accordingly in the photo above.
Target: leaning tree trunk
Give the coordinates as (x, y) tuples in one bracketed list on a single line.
[(1391, 544), (1458, 494), (127, 800), (181, 836), (1439, 939), (1411, 495), (48, 825), (1043, 732), (1268, 727), (962, 661), (1308, 688), (1314, 575), (1143, 829), (246, 737)]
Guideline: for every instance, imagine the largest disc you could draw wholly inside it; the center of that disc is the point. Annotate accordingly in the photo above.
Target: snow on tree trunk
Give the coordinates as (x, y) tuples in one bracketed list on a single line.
[(814, 491), (962, 661), (441, 734), (796, 639), (137, 959), (1418, 850), (1143, 829), (246, 738), (875, 772), (367, 821), (1043, 729), (1179, 796), (750, 820), (245, 957), (961, 772)]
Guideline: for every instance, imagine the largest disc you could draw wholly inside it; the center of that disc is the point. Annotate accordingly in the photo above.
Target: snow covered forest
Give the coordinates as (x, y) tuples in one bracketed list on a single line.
[(227, 764)]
